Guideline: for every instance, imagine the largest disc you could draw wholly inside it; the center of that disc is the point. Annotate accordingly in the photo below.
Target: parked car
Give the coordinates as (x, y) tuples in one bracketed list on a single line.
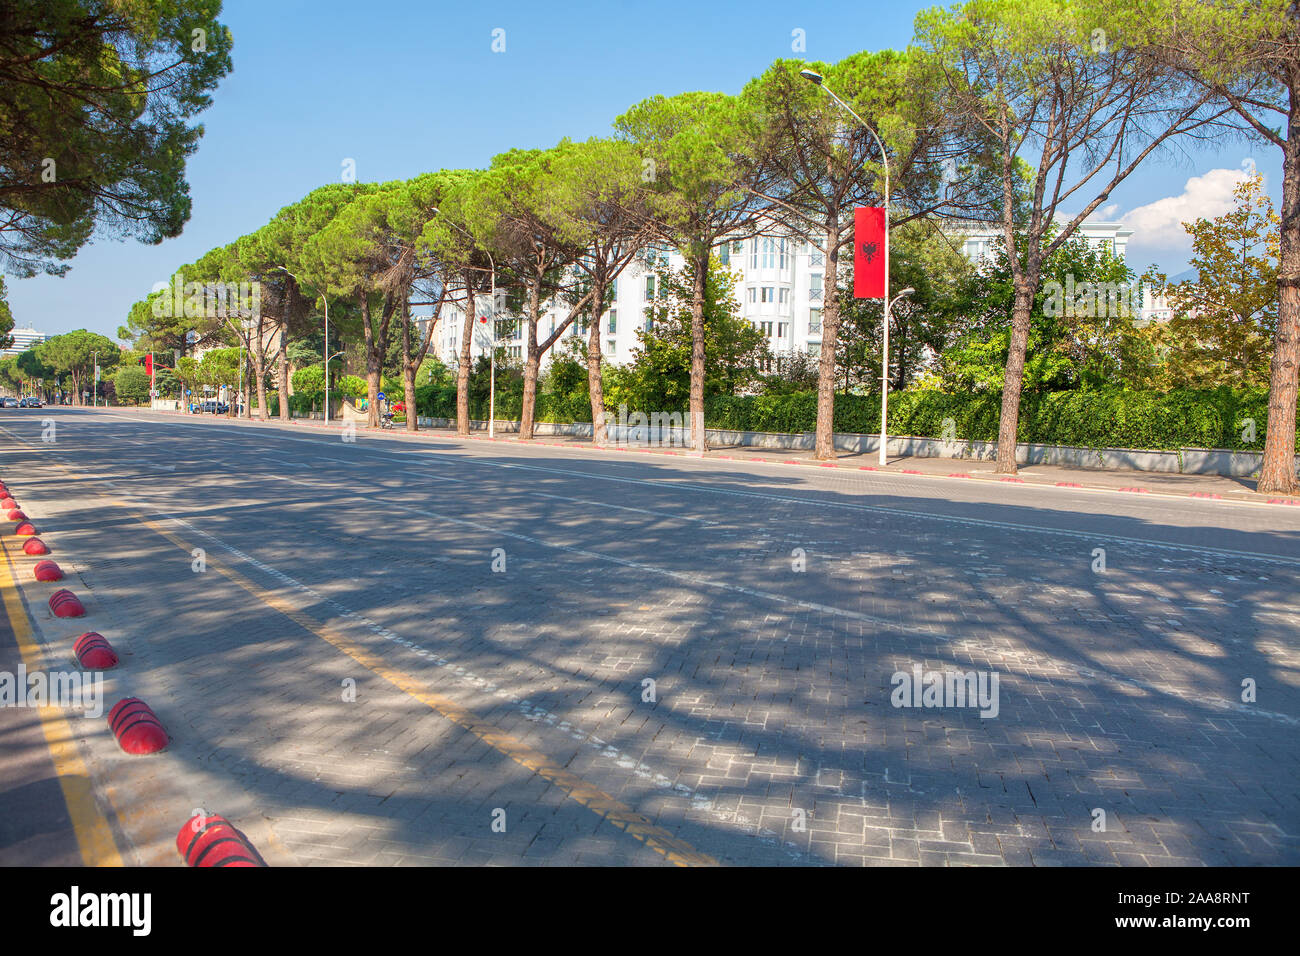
[(212, 406), (9, 402)]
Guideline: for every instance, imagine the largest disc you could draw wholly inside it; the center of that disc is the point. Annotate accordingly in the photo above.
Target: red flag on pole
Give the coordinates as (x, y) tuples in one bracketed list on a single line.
[(869, 252)]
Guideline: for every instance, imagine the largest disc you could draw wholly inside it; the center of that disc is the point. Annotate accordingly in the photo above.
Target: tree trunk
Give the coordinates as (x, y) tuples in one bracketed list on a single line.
[(462, 370), (531, 365), (700, 267), (260, 372), (1277, 474), (1013, 379), (824, 447), (372, 363), (594, 386), (282, 347), (898, 347), (408, 371)]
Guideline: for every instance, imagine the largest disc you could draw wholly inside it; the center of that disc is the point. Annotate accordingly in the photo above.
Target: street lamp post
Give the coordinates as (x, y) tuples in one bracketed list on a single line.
[(325, 299), (492, 321), (818, 80)]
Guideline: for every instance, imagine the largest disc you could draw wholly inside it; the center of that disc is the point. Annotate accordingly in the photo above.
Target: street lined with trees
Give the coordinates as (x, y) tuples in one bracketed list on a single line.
[(1022, 117)]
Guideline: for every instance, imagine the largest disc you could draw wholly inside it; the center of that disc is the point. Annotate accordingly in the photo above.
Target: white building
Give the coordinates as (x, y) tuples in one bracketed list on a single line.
[(780, 283), (23, 340)]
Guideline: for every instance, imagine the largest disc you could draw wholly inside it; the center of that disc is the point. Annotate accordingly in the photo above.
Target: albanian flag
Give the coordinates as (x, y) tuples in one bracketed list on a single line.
[(869, 252)]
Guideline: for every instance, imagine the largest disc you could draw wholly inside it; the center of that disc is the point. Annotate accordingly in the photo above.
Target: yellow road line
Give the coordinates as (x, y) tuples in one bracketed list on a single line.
[(621, 816), (617, 813), (94, 835)]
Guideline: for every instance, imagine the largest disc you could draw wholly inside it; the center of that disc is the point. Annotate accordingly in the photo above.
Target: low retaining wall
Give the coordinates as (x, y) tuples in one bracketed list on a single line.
[(1187, 461)]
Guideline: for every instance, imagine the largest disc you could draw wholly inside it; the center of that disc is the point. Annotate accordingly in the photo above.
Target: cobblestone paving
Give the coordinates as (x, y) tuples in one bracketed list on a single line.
[(771, 609)]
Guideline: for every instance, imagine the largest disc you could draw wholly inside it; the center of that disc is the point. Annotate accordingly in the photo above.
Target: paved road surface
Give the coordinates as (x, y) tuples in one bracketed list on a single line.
[(771, 608)]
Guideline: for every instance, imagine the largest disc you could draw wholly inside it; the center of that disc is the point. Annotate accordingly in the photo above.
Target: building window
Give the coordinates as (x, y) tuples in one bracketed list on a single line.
[(767, 329), (613, 291), (782, 328), (649, 288), (815, 287), (814, 321), (609, 346), (768, 294), (768, 259), (785, 296), (753, 294), (613, 321), (753, 253), (817, 257), (781, 251)]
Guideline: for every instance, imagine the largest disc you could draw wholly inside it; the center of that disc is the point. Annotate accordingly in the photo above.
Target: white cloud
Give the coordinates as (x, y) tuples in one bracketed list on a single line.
[(1159, 225)]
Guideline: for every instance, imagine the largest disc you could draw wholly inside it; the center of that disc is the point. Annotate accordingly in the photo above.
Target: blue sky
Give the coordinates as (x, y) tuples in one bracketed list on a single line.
[(406, 87)]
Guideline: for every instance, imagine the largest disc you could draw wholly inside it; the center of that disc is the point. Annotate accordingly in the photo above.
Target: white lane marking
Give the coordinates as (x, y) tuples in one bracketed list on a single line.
[(694, 579), (686, 485)]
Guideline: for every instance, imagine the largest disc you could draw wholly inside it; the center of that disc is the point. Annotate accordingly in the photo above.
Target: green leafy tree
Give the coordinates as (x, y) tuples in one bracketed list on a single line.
[(30, 364), (397, 219), (6, 317), (512, 209), (1225, 321), (827, 163), (219, 368), (1082, 109), (131, 384), (97, 98), (74, 354), (659, 376), (11, 376), (593, 197), (456, 240), (1247, 54), (1094, 342), (702, 156)]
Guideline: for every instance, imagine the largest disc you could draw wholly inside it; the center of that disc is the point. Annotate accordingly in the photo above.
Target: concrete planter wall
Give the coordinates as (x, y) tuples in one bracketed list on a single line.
[(1187, 461)]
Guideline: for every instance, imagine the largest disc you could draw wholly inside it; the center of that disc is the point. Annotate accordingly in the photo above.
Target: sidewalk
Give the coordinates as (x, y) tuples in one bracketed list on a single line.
[(956, 469)]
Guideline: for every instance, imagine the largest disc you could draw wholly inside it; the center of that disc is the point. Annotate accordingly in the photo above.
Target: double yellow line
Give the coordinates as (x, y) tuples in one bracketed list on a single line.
[(94, 835)]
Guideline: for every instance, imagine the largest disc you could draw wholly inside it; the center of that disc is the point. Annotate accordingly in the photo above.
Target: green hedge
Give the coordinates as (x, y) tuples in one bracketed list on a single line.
[(1215, 418), (1211, 418)]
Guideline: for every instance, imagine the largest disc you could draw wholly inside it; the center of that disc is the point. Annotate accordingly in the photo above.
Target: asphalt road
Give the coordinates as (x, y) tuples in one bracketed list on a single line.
[(501, 609)]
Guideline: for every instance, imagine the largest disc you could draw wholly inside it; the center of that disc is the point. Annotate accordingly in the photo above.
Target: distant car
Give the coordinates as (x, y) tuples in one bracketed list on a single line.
[(11, 403), (29, 402)]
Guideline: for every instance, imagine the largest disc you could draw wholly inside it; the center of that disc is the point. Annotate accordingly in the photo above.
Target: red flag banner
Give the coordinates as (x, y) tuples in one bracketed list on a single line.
[(869, 252)]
